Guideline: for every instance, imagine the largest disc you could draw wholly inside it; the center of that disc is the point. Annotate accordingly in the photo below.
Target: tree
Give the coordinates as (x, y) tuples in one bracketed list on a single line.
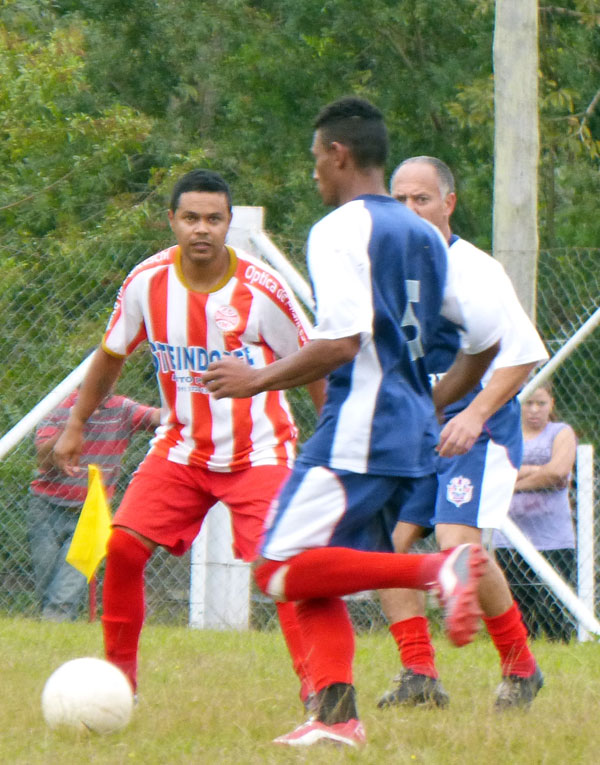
[(63, 163)]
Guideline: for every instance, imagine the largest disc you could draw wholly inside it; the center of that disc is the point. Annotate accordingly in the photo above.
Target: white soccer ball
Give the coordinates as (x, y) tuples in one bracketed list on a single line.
[(88, 694)]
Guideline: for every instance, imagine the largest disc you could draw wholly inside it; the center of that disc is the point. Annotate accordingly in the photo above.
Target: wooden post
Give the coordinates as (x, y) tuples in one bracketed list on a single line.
[(516, 144)]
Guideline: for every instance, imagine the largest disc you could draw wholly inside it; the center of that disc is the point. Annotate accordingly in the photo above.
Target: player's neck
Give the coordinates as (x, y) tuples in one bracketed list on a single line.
[(359, 183), (205, 276)]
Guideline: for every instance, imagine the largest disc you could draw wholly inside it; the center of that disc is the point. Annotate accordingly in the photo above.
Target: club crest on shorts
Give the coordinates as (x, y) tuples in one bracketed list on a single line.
[(227, 318), (459, 490)]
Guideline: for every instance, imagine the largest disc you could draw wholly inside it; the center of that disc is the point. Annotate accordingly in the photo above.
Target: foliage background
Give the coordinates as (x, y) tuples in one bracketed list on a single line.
[(103, 103)]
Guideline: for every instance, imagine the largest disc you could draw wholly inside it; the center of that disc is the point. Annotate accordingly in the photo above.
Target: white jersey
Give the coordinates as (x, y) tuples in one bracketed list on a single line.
[(520, 342)]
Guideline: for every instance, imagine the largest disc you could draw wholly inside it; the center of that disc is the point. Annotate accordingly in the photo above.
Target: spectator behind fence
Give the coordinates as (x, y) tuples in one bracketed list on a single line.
[(541, 508), (56, 499)]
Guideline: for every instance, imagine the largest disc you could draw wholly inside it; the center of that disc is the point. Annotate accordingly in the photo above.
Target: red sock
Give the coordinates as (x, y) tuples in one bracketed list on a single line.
[(414, 643), (123, 600), (326, 572), (292, 633), (329, 635), (510, 638)]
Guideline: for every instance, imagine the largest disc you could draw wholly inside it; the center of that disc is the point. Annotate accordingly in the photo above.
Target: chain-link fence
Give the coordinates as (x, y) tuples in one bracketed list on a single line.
[(567, 297), (55, 310)]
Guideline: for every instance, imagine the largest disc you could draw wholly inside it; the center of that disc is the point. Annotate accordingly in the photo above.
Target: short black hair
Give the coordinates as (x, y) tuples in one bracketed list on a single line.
[(200, 180), (357, 124)]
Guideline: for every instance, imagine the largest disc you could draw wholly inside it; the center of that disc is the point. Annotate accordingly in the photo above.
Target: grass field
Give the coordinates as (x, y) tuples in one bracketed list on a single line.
[(212, 697)]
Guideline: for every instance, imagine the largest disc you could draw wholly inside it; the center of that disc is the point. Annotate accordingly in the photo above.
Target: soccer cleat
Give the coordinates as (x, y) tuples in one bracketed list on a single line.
[(414, 690), (349, 733), (457, 588), (518, 692)]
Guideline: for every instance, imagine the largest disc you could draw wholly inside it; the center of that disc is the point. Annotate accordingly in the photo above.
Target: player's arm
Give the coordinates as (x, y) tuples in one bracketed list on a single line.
[(555, 473), (317, 392), (464, 374), (232, 378), (100, 378), (460, 433), (485, 305)]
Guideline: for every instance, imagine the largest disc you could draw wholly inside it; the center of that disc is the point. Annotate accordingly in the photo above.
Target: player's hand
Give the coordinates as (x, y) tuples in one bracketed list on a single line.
[(459, 434), (67, 449), (231, 377)]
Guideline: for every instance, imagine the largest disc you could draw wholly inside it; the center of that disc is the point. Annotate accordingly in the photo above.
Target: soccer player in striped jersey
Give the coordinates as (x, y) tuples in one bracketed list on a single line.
[(381, 277), (194, 302), (475, 488)]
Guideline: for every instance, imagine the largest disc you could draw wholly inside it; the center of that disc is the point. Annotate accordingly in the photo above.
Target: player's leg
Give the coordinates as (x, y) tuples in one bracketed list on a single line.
[(123, 598), (295, 643), (418, 683), (474, 493), (329, 572), (523, 584), (163, 505), (319, 507), (248, 494), (327, 629), (522, 678), (327, 523)]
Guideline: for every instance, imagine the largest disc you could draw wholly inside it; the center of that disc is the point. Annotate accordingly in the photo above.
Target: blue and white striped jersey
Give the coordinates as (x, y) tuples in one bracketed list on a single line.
[(381, 272)]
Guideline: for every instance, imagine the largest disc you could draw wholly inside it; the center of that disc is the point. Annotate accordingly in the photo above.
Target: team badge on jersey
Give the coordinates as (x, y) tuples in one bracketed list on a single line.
[(459, 490), (227, 318)]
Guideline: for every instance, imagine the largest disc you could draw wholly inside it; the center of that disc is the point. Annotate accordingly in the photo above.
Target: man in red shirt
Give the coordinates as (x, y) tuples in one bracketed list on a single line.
[(56, 499)]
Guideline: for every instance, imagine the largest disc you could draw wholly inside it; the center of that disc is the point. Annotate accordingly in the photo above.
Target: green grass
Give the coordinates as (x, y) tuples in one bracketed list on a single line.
[(220, 697)]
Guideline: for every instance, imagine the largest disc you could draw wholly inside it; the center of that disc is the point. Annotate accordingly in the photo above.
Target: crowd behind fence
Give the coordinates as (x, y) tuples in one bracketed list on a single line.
[(38, 351)]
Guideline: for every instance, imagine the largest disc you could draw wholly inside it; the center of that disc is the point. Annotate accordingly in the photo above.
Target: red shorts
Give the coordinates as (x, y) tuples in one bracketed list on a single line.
[(167, 503)]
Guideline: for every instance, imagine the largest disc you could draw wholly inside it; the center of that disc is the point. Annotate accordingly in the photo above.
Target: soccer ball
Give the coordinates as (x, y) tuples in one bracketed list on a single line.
[(88, 694)]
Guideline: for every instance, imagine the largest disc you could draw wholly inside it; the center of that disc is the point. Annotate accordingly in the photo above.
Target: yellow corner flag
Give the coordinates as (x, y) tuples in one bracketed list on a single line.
[(88, 545)]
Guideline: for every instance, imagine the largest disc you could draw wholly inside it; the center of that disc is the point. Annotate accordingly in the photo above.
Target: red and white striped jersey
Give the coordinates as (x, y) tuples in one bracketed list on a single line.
[(251, 314)]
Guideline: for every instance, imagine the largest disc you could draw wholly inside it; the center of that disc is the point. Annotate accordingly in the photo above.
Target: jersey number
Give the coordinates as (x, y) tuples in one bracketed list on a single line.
[(415, 347)]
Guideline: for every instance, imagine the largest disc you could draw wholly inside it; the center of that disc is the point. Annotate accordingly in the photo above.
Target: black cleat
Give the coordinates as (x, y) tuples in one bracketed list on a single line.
[(518, 692), (414, 690)]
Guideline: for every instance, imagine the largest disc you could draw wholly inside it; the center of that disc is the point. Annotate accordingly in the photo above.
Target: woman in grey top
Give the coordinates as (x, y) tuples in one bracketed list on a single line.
[(541, 508)]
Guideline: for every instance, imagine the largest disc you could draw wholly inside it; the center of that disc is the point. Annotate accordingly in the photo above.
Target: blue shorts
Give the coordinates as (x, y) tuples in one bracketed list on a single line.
[(324, 507), (473, 489)]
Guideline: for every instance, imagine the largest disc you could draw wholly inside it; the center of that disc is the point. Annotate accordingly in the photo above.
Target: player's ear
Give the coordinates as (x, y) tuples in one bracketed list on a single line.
[(171, 215), (340, 153), (450, 203)]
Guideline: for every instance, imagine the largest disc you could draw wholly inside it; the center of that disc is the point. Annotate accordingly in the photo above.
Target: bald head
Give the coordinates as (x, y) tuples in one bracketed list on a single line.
[(426, 185)]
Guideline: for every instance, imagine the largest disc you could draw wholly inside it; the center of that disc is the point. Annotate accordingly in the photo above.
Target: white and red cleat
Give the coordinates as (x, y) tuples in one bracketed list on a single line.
[(457, 582), (350, 733)]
